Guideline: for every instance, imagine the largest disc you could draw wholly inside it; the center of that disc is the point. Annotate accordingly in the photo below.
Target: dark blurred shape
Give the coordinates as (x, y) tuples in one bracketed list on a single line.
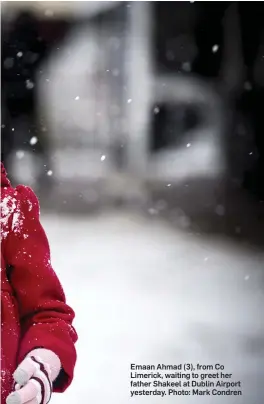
[(23, 49), (249, 101), (171, 125), (26, 44), (190, 38), (173, 35)]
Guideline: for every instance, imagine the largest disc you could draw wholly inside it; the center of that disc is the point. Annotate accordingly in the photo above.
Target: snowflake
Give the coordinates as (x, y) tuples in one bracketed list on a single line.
[(49, 13), (29, 84), (153, 211), (220, 210), (186, 66), (215, 48), (20, 154), (247, 86), (33, 140)]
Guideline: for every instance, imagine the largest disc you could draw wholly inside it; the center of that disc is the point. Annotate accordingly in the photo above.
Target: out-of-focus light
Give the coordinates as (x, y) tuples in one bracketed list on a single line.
[(247, 86), (20, 154), (153, 211), (33, 140), (8, 63), (220, 210), (215, 48), (186, 66), (29, 84), (49, 13)]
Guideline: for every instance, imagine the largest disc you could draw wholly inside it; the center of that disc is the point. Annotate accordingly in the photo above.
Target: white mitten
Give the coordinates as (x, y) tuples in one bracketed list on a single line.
[(34, 377)]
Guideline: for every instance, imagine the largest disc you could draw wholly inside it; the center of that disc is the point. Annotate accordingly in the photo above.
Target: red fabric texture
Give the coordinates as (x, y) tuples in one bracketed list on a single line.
[(34, 313)]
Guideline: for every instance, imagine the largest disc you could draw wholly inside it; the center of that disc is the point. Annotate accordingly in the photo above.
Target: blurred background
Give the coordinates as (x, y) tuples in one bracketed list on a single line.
[(140, 127)]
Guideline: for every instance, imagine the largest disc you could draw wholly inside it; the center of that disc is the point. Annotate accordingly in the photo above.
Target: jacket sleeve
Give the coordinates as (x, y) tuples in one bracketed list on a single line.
[(45, 318)]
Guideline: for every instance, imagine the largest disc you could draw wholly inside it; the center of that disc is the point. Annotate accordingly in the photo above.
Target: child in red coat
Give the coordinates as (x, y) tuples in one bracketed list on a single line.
[(37, 337)]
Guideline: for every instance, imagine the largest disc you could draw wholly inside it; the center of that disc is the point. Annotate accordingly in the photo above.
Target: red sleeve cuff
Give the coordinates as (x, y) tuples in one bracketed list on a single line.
[(44, 336)]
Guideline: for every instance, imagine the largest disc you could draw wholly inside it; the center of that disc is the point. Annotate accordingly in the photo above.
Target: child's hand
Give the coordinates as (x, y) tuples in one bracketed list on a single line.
[(34, 377)]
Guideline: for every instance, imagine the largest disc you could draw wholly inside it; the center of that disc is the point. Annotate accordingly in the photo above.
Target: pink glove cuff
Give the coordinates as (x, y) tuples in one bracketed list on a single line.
[(50, 358), (34, 377)]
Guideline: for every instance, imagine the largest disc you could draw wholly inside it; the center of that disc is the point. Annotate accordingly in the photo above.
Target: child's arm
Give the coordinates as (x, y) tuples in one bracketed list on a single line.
[(45, 318)]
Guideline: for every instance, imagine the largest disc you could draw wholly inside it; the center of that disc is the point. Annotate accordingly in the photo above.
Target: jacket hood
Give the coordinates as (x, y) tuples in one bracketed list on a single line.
[(4, 180)]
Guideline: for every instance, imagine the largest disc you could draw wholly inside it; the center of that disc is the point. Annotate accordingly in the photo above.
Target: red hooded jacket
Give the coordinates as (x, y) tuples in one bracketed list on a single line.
[(34, 313)]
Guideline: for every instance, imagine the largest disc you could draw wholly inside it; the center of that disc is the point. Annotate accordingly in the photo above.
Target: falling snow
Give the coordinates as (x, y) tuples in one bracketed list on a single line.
[(129, 101), (103, 158), (186, 66), (49, 173), (49, 13), (29, 84), (220, 210), (33, 140), (153, 211), (247, 86), (20, 154), (215, 48)]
